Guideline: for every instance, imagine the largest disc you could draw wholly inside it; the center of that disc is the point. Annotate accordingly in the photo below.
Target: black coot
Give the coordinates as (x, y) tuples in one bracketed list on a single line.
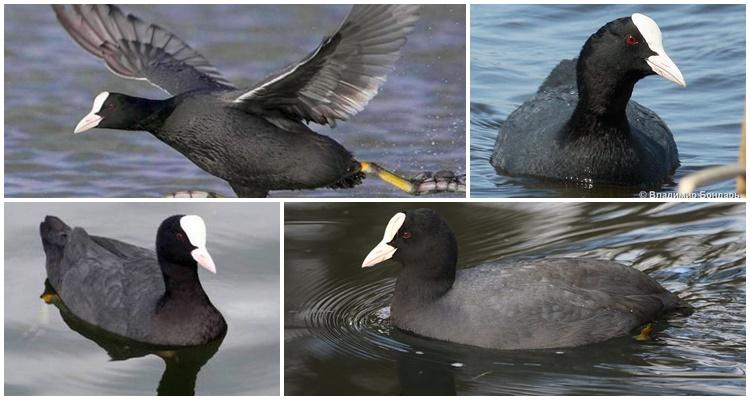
[(538, 304), (154, 298), (256, 139), (581, 127)]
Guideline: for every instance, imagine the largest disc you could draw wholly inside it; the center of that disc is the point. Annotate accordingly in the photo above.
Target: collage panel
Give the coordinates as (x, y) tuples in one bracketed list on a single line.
[(514, 298), (141, 256), (141, 299), (391, 80), (607, 100)]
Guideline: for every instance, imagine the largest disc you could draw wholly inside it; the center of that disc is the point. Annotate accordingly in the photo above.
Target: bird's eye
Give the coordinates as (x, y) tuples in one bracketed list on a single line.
[(406, 234), (180, 236), (630, 40)]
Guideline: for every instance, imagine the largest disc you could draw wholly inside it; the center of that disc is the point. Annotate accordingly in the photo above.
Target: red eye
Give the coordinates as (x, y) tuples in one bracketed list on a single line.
[(630, 40), (180, 236), (405, 234)]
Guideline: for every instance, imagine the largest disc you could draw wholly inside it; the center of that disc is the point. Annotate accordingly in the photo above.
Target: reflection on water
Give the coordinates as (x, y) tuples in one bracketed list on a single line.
[(46, 355), (417, 121), (181, 364), (338, 339), (515, 47)]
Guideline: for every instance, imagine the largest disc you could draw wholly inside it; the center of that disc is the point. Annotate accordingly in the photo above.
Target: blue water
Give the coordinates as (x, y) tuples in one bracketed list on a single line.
[(514, 47), (416, 123)]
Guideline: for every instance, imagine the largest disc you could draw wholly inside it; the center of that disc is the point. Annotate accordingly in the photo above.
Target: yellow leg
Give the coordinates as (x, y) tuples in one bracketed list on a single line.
[(388, 176), (48, 298), (645, 333)]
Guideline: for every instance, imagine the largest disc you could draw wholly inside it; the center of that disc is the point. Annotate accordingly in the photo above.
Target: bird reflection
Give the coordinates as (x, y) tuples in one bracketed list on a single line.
[(182, 364)]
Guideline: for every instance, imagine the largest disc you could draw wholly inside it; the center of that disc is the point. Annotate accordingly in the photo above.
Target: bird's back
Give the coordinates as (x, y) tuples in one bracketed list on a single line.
[(104, 282)]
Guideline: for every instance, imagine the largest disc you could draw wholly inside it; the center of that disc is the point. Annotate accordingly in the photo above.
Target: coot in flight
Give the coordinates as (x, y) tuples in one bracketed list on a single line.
[(254, 138)]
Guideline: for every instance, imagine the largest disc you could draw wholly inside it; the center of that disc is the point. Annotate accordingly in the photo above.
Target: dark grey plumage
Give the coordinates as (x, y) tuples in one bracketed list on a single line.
[(602, 139), (134, 49), (121, 289), (546, 303), (339, 78), (255, 139), (529, 140)]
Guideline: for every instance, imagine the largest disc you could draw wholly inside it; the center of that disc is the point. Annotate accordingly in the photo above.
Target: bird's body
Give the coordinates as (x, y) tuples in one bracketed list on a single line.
[(536, 140), (545, 303), (209, 130), (581, 126), (128, 290), (254, 138)]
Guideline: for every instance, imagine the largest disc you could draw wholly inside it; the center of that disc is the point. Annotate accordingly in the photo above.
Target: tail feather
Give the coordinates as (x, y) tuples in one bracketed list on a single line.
[(52, 226), (54, 233)]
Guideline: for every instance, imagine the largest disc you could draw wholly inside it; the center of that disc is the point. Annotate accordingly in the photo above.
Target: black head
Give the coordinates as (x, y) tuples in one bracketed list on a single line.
[(418, 239), (117, 111), (181, 240), (627, 49)]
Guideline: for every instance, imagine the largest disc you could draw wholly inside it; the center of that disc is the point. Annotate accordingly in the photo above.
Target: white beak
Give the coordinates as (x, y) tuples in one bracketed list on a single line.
[(88, 122), (664, 66), (201, 256), (659, 63), (383, 250)]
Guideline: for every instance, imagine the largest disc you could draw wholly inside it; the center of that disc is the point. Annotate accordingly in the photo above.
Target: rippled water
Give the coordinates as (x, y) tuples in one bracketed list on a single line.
[(514, 47), (338, 339), (43, 356), (416, 123)]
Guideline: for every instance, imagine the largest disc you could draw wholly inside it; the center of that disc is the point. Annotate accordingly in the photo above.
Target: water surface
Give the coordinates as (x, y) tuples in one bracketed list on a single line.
[(415, 123), (43, 356), (514, 48), (338, 338)]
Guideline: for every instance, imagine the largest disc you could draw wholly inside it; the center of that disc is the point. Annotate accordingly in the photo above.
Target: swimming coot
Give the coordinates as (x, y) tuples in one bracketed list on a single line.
[(538, 304), (154, 298), (256, 139), (581, 127)]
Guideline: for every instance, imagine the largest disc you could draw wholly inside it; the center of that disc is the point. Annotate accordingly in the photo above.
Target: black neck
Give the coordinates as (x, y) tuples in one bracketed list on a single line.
[(148, 115), (602, 102), (181, 281), (425, 281)]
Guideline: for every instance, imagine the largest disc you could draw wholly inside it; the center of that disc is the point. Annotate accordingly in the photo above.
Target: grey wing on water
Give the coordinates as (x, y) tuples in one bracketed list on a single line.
[(339, 78), (134, 49)]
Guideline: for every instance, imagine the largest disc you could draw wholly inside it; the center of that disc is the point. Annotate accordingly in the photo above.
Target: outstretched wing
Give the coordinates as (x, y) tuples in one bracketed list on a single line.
[(340, 77), (136, 50)]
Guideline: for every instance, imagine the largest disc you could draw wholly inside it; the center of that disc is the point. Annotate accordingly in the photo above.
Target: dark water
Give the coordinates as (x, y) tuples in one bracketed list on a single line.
[(338, 339), (416, 123), (45, 356), (514, 47)]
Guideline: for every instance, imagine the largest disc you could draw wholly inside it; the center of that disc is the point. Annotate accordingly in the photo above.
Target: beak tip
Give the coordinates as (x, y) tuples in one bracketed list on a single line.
[(88, 122), (210, 266)]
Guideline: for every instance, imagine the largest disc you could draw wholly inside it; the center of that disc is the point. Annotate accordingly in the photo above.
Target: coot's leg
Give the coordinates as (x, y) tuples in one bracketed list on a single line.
[(424, 183)]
